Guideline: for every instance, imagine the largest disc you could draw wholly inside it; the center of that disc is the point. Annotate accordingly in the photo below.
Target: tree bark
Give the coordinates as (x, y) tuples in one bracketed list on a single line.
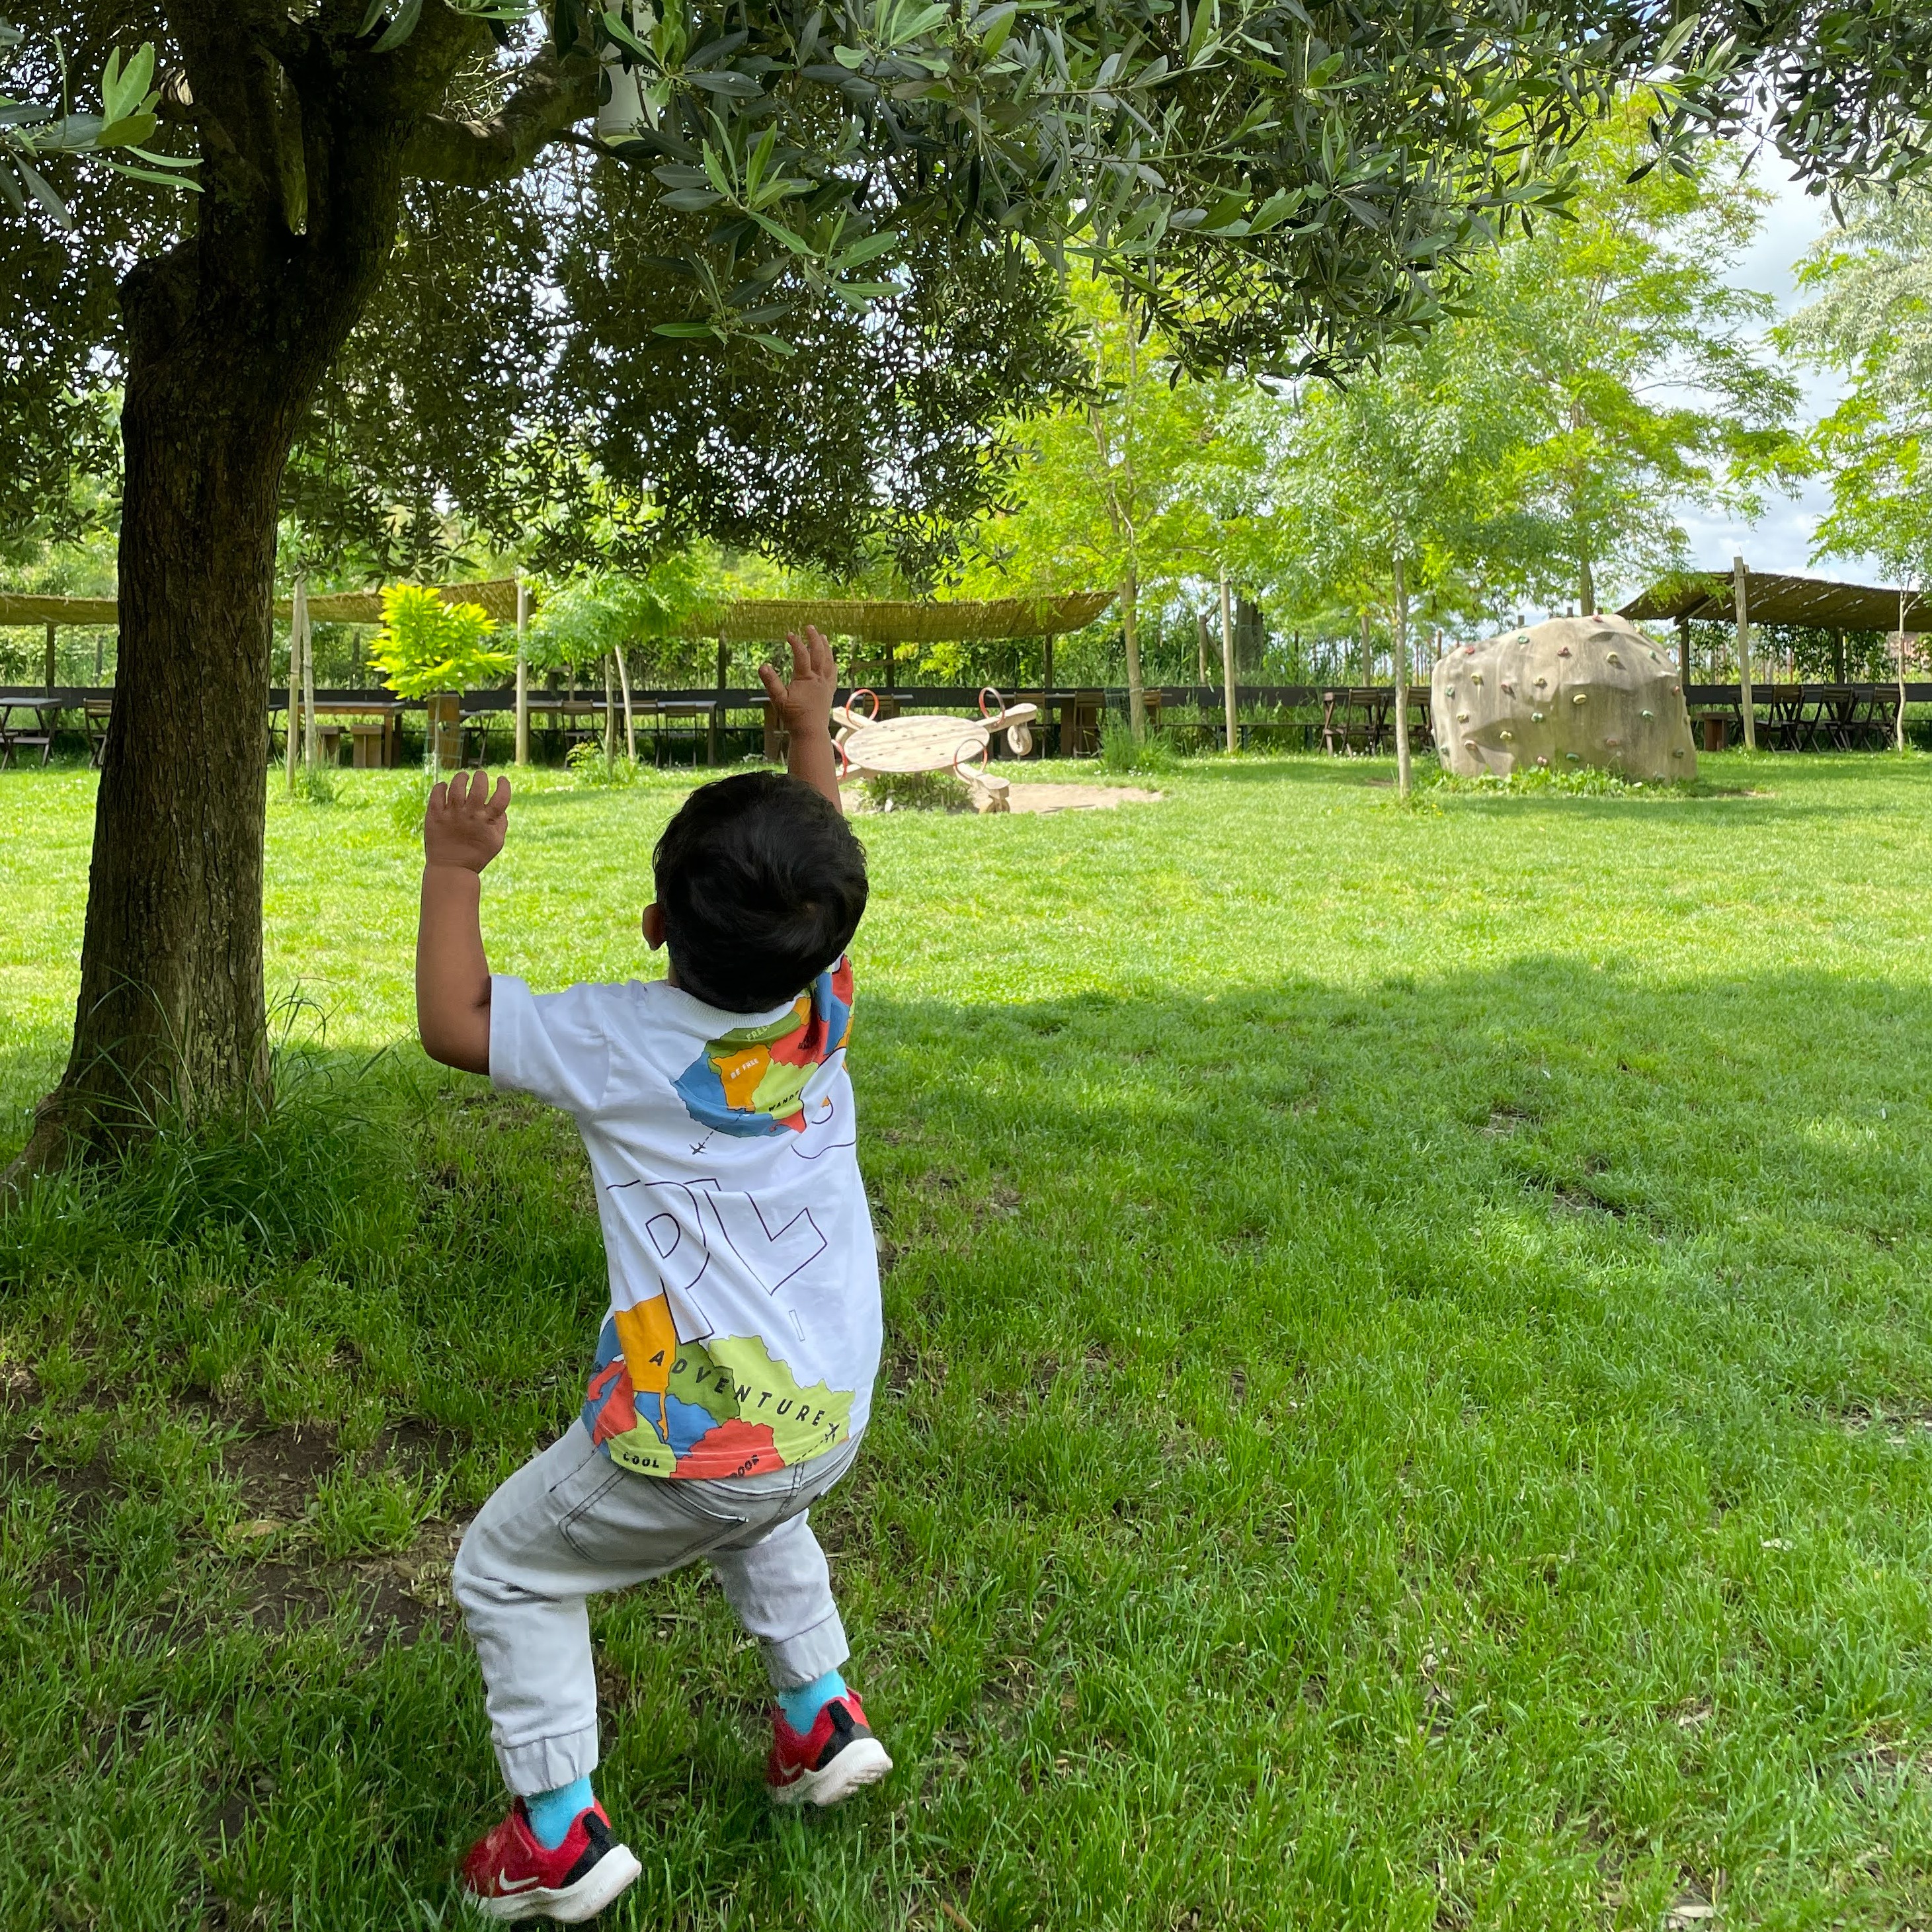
[(522, 750), (1898, 725), (1131, 635), (303, 639), (630, 723), (1586, 589), (1745, 703), (1228, 688), (228, 337), (1405, 772)]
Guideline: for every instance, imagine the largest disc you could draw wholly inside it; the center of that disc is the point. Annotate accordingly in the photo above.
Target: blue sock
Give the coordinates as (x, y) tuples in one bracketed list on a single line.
[(552, 1813), (803, 1702)]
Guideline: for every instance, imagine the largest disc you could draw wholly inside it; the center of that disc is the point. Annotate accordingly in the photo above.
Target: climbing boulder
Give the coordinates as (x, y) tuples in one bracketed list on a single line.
[(1573, 691)]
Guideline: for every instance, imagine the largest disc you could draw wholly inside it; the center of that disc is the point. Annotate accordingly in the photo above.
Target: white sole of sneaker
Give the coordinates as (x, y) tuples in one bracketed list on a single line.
[(573, 1903), (862, 1762)]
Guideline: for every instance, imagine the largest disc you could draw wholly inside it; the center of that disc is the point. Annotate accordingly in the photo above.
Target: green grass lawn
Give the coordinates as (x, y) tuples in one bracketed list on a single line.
[(1407, 1398)]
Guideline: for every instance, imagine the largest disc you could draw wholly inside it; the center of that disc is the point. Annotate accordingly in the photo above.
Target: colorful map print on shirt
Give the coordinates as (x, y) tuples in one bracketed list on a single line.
[(752, 1080), (659, 1407)]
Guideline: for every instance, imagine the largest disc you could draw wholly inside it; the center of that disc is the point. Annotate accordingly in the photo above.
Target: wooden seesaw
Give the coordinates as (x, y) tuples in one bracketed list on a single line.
[(868, 744)]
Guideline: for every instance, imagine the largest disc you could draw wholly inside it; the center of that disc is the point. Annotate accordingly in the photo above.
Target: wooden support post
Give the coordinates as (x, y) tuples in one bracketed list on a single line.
[(1744, 704), (610, 713), (292, 737), (1227, 666), (52, 666), (1683, 647), (1398, 659), (1898, 729), (630, 725), (299, 627), (522, 753), (1837, 657)]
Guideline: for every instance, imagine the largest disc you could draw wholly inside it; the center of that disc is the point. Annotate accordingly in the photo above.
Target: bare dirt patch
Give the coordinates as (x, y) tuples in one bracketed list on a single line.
[(1078, 797), (280, 1470), (400, 1597)]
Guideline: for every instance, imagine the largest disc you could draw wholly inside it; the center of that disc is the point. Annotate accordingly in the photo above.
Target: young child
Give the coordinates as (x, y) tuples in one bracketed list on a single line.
[(734, 1372)]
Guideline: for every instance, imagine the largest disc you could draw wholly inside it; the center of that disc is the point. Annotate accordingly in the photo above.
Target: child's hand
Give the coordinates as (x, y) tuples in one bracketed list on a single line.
[(466, 822), (805, 703)]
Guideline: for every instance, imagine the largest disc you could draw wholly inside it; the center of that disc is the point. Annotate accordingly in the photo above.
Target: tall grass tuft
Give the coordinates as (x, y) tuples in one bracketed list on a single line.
[(1120, 754), (290, 1181), (589, 767)]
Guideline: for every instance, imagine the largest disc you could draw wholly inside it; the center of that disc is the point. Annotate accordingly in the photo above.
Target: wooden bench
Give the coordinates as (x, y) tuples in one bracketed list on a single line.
[(369, 740), (94, 712)]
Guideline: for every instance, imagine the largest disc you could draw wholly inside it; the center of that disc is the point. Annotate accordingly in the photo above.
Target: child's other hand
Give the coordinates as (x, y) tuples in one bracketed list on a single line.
[(805, 701), (466, 821)]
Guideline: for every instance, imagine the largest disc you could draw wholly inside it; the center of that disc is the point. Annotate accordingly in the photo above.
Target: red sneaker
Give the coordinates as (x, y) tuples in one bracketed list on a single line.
[(836, 1757), (508, 1875)]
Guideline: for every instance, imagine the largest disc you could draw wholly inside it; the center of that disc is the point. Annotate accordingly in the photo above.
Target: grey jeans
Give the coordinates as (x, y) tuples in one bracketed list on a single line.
[(571, 1522)]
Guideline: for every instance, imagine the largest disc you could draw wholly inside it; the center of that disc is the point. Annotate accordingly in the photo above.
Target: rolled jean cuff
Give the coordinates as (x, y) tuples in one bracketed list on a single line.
[(547, 1764), (798, 1659)]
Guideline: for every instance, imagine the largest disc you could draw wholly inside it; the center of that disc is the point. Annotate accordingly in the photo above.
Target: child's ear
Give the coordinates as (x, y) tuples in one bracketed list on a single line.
[(653, 923)]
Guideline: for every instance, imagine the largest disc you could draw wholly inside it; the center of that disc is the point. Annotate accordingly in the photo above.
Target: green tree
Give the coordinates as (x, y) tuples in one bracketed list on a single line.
[(1280, 186), (1867, 320), (1117, 490), (1392, 492), (1636, 376), (427, 645)]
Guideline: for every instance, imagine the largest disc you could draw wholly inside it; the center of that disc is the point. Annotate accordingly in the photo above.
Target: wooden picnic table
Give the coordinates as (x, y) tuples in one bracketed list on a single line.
[(45, 713), (1360, 718), (1800, 717), (372, 728)]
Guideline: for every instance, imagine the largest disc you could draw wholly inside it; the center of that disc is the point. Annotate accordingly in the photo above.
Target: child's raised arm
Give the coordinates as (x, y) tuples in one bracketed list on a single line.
[(462, 831), (804, 706)]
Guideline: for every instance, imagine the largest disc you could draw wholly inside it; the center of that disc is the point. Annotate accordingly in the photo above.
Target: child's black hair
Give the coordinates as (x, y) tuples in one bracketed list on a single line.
[(762, 883)]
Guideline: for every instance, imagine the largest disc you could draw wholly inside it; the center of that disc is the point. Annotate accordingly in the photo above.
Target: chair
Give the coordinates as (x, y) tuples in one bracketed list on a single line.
[(94, 714), (1080, 723)]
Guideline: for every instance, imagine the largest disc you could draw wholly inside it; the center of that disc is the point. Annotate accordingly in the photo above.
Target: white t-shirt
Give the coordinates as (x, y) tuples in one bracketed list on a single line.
[(744, 1326)]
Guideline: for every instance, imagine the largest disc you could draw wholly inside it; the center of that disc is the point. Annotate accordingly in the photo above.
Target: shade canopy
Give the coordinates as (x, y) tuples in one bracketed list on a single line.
[(908, 621), (1771, 598), (58, 610), (498, 597), (747, 620)]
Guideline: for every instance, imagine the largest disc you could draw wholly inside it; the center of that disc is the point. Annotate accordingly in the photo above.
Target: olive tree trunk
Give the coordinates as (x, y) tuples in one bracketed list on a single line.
[(1130, 635), (229, 335), (1405, 770)]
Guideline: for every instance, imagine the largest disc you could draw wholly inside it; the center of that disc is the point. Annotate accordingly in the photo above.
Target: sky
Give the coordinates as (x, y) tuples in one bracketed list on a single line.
[(1780, 539)]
